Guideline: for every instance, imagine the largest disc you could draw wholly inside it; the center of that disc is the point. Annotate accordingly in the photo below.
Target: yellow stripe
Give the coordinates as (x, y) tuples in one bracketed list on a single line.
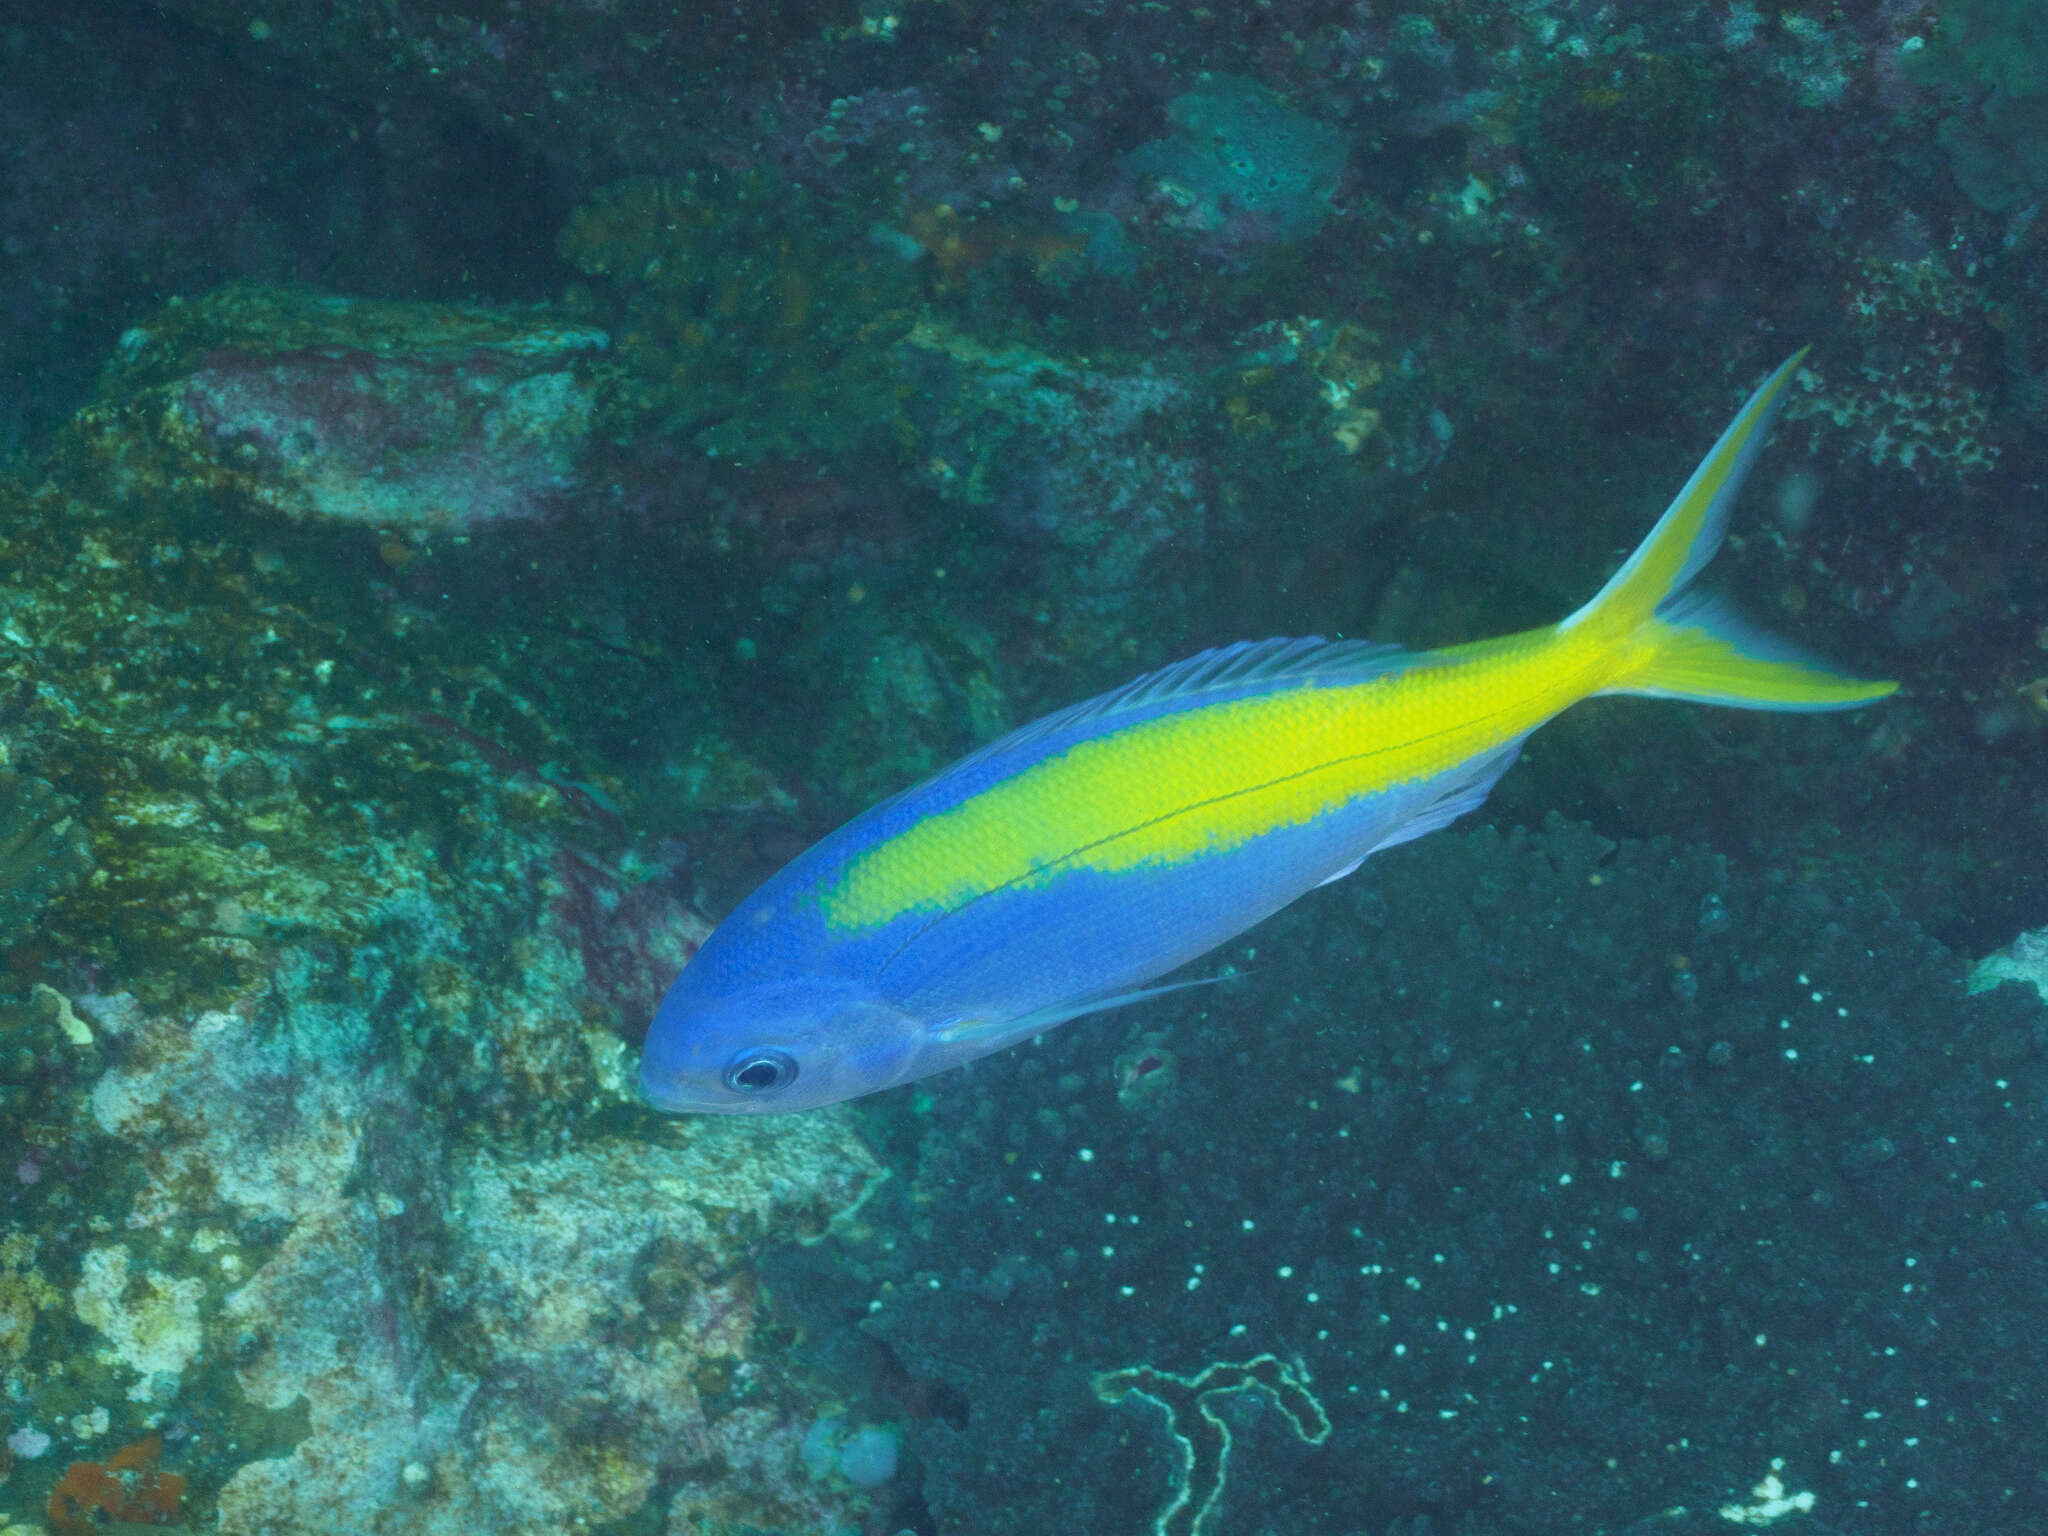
[(1209, 780)]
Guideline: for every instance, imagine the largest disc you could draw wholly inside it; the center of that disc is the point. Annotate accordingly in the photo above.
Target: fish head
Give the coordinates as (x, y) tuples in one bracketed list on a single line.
[(775, 1048)]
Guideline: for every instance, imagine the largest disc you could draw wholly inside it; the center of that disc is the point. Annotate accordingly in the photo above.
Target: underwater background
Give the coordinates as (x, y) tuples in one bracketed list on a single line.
[(485, 486)]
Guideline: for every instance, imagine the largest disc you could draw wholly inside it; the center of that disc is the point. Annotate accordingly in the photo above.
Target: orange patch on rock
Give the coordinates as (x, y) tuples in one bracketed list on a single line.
[(126, 1486)]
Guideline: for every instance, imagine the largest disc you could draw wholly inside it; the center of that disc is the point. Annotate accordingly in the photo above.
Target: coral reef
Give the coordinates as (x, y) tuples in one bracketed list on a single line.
[(418, 418), (2024, 960), (393, 691), (754, 321), (1241, 170), (149, 1319), (1913, 402), (1084, 466), (385, 937), (367, 1255), (1993, 54), (43, 851), (23, 1294)]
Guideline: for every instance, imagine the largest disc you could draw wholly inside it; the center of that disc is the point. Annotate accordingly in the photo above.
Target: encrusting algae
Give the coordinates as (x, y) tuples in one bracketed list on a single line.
[(43, 851), (757, 321), (128, 1488)]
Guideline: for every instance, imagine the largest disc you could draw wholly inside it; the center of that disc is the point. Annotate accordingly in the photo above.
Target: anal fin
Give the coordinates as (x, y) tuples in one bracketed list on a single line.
[(1467, 793)]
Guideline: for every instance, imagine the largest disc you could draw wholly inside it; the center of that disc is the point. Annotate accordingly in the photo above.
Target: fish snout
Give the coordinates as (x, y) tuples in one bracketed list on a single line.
[(773, 1050)]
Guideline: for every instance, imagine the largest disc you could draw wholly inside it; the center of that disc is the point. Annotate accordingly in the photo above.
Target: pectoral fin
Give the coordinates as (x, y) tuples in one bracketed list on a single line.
[(991, 1033)]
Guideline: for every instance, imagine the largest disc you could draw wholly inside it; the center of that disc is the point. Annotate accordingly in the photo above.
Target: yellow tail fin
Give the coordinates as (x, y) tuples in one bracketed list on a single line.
[(1674, 644)]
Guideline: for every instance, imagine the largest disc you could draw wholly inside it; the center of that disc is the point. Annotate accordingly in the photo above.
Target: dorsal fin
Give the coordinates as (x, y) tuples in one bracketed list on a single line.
[(1243, 668)]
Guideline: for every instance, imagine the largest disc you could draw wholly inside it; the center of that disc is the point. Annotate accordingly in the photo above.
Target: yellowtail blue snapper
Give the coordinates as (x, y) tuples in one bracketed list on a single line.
[(1066, 867)]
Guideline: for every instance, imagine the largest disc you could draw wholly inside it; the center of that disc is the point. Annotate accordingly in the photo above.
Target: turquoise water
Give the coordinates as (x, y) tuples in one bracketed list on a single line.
[(485, 491)]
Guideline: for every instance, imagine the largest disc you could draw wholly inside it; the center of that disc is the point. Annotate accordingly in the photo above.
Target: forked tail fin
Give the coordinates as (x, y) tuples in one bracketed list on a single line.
[(1675, 644)]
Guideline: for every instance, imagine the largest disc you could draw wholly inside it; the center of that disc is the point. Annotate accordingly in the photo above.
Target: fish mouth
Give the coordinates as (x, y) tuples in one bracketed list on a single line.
[(662, 1090)]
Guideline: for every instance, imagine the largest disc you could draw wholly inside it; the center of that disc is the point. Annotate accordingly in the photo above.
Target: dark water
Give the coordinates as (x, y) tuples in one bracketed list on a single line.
[(488, 487)]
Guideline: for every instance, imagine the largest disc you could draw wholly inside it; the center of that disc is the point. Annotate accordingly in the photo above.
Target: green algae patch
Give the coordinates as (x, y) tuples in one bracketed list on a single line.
[(43, 851), (24, 1295), (754, 320), (262, 742), (257, 750)]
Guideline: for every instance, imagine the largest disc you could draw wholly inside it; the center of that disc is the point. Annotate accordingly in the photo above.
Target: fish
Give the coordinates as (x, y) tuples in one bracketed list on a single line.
[(1066, 867)]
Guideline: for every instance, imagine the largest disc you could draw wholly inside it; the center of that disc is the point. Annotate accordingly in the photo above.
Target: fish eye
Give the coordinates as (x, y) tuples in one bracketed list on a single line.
[(762, 1070)]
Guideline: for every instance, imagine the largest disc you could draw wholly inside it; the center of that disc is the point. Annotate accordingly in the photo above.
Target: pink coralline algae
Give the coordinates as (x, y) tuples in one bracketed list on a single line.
[(411, 417), (632, 936), (406, 441)]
